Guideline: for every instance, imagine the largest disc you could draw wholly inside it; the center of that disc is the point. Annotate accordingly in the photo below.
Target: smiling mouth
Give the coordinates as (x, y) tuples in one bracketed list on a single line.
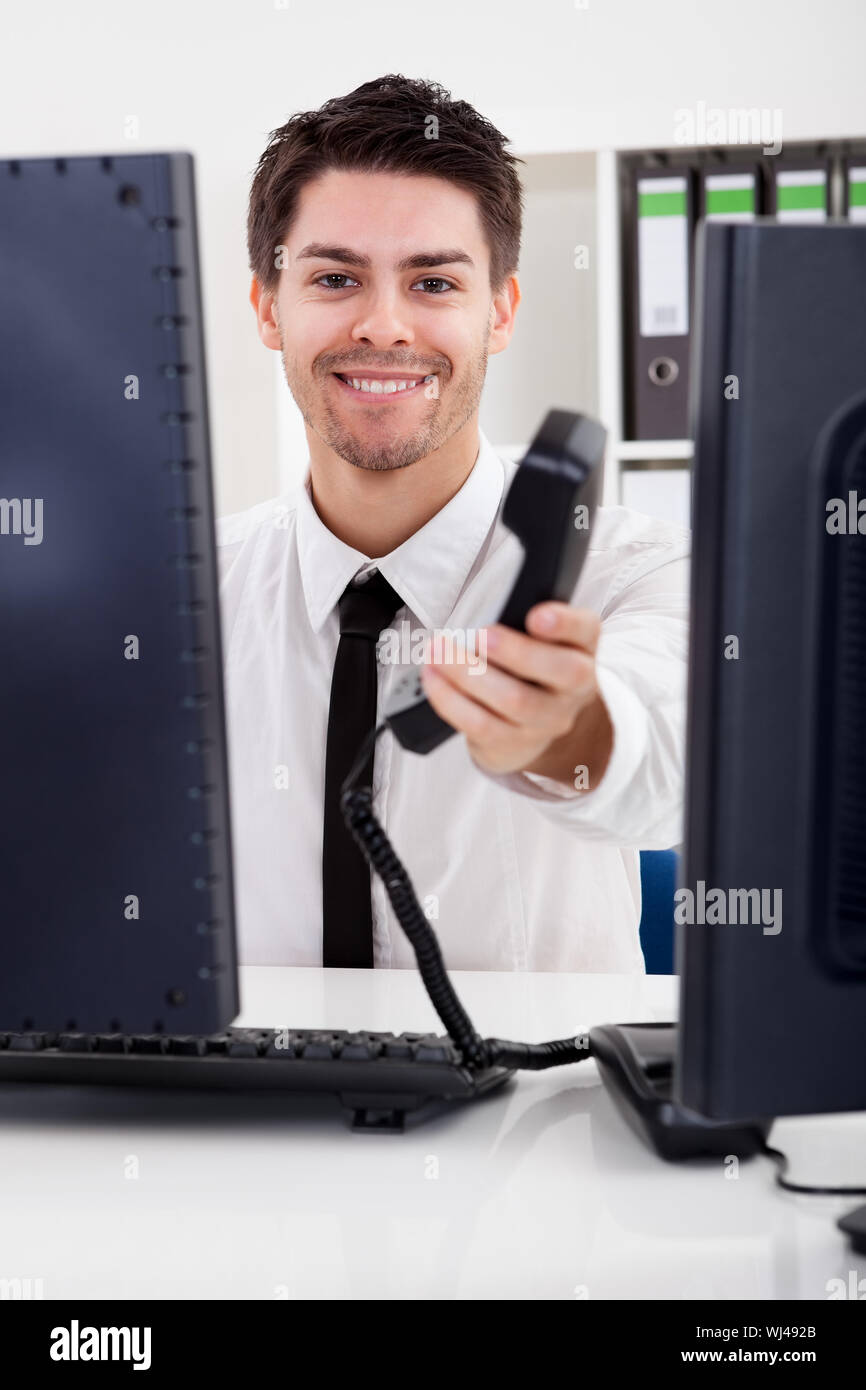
[(379, 388)]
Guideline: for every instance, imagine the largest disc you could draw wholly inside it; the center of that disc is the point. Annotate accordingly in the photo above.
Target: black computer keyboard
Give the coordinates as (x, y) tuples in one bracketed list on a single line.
[(378, 1076)]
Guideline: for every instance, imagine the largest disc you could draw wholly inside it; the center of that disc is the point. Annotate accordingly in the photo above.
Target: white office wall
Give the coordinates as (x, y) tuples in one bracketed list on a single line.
[(551, 360), (214, 76)]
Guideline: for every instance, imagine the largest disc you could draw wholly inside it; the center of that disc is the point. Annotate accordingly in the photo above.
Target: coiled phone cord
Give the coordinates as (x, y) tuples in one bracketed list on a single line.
[(477, 1052)]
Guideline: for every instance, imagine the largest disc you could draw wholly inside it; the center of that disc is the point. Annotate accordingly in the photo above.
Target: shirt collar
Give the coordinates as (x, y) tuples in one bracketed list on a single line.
[(428, 570)]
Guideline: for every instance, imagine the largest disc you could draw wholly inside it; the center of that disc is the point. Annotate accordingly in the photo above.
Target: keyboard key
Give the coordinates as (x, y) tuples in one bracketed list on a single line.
[(190, 1046), (332, 1042), (360, 1047), (110, 1042), (433, 1052), (27, 1042), (75, 1042), (283, 1044), (153, 1044)]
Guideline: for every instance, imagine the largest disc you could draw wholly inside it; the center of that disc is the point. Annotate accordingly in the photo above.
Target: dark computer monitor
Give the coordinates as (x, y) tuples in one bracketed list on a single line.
[(773, 1003), (114, 819)]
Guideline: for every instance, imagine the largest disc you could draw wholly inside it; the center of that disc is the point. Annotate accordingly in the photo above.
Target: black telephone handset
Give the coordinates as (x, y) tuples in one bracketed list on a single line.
[(550, 508)]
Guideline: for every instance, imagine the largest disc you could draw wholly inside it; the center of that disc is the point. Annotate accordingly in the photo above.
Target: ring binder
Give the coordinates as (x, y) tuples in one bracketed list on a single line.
[(799, 190), (660, 274), (855, 189), (731, 191)]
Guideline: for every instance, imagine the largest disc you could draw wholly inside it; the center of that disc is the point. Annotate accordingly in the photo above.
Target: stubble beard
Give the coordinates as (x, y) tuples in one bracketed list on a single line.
[(445, 416)]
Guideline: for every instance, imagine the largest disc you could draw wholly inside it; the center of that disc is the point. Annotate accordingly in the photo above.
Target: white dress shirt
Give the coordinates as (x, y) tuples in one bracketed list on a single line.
[(515, 872)]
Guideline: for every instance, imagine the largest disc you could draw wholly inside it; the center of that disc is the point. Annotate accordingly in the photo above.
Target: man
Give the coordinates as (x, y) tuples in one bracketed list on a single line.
[(384, 233)]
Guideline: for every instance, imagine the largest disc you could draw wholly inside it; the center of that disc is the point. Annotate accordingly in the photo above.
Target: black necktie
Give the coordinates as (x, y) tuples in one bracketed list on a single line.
[(347, 918)]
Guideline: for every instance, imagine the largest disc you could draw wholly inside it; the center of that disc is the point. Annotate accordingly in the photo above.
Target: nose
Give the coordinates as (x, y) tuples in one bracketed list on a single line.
[(383, 321)]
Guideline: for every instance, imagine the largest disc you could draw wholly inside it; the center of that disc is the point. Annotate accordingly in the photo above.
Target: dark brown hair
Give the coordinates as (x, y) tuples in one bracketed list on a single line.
[(398, 125)]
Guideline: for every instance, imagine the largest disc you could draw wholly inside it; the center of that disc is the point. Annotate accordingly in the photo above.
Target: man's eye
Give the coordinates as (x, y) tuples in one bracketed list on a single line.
[(335, 281), (434, 284)]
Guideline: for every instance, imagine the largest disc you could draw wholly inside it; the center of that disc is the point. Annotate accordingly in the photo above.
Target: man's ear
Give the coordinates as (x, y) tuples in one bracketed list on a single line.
[(505, 302), (265, 306)]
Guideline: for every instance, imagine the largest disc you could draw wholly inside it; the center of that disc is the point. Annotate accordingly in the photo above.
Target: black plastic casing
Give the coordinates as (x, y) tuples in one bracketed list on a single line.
[(774, 1022), (114, 816)]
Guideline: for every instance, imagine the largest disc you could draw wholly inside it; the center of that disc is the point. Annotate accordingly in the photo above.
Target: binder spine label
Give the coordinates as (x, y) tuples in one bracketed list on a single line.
[(857, 194), (663, 257), (801, 195), (731, 196)]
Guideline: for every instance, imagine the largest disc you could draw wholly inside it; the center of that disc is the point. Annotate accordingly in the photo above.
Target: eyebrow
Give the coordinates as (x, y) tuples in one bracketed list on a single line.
[(422, 260)]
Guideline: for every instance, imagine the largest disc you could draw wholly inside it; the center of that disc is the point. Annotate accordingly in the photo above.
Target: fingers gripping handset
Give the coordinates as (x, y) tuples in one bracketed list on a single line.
[(550, 507)]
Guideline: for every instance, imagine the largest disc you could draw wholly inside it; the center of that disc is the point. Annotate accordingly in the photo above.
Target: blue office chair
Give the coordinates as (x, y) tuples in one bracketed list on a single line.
[(658, 881)]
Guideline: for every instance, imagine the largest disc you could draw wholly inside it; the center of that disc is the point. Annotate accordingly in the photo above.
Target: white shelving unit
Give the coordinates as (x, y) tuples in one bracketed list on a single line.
[(640, 450), (568, 346), (609, 321), (661, 458)]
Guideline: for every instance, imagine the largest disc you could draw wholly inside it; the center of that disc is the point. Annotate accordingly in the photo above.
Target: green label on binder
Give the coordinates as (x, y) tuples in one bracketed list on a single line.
[(724, 200), (662, 204), (801, 196), (663, 256), (857, 193), (730, 195)]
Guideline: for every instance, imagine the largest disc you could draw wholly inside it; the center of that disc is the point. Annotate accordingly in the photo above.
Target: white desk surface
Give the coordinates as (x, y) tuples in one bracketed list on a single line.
[(539, 1191)]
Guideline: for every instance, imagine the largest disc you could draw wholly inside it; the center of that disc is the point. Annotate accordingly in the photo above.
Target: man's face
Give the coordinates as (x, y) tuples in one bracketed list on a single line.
[(384, 314)]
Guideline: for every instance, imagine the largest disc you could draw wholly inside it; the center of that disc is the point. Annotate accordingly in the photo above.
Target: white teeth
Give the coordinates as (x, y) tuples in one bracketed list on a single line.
[(380, 387)]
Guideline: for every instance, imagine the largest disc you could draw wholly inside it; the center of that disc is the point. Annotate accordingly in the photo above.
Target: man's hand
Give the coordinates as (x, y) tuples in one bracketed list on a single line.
[(537, 706)]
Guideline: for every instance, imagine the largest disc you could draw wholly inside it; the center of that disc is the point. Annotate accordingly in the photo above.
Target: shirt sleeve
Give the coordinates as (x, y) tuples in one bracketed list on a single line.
[(235, 544), (642, 663), (227, 546)]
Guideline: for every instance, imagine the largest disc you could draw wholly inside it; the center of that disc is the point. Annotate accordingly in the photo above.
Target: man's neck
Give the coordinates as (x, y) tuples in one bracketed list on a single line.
[(375, 511)]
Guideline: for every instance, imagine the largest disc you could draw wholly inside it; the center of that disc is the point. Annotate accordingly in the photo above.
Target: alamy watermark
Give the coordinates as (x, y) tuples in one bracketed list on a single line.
[(463, 646), (705, 906), (846, 516), (77, 1343), (853, 1288), (711, 125), (22, 516), (18, 1288)]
